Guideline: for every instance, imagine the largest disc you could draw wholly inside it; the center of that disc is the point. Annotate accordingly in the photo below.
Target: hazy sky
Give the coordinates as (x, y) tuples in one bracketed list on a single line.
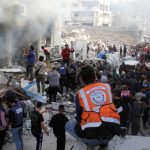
[(117, 1)]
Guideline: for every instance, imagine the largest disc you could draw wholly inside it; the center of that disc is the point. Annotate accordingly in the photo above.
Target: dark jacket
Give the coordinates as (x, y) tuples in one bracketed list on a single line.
[(58, 123), (16, 116)]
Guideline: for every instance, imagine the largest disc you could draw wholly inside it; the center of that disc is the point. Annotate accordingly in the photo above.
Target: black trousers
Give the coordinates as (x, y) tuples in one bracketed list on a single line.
[(29, 71), (145, 116), (52, 93), (106, 130), (61, 141), (63, 82), (39, 139), (72, 82), (135, 125), (2, 136), (66, 61)]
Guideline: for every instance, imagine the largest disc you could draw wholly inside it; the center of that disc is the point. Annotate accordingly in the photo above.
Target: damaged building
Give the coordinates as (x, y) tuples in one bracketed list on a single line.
[(89, 13), (17, 31)]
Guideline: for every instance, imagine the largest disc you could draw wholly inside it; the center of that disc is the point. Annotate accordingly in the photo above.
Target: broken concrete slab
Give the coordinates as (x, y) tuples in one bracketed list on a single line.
[(3, 78), (12, 70), (130, 142), (30, 87)]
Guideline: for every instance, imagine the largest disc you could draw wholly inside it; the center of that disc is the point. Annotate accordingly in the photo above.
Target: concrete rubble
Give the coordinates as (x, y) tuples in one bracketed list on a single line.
[(117, 143), (3, 78)]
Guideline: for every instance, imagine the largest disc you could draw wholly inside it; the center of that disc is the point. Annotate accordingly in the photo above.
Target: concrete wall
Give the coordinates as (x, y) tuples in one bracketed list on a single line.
[(3, 78)]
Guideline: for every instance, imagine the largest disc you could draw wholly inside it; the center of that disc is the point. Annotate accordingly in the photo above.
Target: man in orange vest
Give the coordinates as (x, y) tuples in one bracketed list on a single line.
[(96, 115)]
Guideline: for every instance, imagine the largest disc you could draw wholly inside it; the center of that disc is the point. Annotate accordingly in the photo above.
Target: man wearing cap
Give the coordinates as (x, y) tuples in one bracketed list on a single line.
[(66, 54), (46, 52)]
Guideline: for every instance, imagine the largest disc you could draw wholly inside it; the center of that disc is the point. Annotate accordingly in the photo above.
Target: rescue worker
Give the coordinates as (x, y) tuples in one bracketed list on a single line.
[(16, 121), (96, 115), (66, 54)]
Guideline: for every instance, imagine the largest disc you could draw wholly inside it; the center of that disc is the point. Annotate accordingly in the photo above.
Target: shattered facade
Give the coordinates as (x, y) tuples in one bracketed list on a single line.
[(89, 13), (13, 15), (19, 28)]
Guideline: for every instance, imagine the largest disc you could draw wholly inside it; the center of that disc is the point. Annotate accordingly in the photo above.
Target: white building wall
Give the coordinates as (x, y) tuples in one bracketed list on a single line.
[(94, 12)]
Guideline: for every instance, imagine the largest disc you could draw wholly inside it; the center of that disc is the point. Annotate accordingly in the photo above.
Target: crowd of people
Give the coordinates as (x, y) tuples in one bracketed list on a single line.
[(106, 102)]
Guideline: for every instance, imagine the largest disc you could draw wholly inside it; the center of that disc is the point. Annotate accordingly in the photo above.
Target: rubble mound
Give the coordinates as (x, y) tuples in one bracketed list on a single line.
[(115, 36)]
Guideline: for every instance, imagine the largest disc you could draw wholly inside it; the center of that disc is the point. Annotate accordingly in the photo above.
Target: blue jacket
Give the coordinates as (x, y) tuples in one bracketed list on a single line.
[(31, 58)]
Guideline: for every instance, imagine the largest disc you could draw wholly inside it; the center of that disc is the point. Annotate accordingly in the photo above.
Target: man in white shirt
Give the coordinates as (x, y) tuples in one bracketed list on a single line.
[(40, 76)]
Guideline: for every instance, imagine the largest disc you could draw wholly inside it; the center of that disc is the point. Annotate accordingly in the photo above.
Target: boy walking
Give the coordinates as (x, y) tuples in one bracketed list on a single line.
[(37, 124)]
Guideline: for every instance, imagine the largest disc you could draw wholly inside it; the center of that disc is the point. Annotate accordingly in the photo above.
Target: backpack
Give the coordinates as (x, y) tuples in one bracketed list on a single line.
[(37, 71), (62, 71)]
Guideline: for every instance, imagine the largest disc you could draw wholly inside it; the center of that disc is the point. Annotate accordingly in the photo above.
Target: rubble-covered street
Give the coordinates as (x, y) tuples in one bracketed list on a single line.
[(74, 75)]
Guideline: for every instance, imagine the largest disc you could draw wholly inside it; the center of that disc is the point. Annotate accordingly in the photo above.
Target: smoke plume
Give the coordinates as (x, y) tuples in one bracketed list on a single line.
[(25, 21), (131, 14)]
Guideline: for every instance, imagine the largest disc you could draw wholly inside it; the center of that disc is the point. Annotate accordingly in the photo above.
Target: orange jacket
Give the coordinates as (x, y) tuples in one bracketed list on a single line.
[(97, 104)]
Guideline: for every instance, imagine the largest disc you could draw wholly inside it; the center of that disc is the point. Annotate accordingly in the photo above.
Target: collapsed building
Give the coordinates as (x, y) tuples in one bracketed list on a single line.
[(17, 31)]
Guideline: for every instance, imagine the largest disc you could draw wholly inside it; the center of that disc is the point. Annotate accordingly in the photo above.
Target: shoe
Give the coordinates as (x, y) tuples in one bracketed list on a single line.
[(123, 131)]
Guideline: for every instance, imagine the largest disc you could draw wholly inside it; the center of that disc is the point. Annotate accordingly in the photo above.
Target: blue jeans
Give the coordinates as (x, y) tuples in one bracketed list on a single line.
[(17, 135), (70, 128)]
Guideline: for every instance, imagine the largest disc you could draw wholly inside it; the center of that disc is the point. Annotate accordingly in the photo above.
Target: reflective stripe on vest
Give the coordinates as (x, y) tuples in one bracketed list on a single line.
[(109, 92), (87, 108), (110, 119), (91, 124), (97, 103), (86, 104)]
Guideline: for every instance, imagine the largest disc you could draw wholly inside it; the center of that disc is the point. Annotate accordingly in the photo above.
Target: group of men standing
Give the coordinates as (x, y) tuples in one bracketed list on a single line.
[(96, 115)]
